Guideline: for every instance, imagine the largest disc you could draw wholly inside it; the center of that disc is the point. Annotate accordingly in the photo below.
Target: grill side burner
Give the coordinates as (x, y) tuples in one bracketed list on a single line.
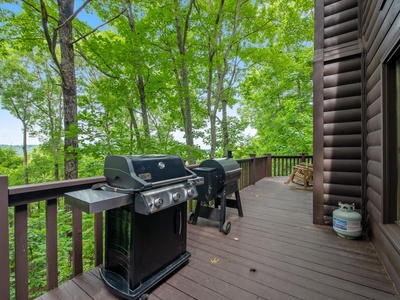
[(145, 219), (220, 179)]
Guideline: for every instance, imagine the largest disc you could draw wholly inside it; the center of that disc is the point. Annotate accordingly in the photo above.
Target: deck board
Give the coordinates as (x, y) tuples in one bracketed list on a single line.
[(273, 252)]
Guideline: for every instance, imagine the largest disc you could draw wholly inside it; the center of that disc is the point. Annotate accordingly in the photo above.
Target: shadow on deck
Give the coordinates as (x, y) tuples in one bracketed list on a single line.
[(273, 252)]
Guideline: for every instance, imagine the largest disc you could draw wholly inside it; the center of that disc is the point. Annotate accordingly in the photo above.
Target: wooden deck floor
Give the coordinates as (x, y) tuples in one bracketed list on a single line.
[(273, 252)]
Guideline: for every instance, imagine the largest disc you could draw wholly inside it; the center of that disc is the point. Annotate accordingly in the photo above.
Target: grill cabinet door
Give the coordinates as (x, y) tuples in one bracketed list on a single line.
[(138, 246), (159, 239)]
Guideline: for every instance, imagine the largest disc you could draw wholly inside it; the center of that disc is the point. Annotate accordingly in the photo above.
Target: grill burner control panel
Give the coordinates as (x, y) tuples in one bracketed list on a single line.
[(154, 200)]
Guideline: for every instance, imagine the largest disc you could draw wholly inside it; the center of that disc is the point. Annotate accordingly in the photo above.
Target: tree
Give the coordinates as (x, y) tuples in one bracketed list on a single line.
[(281, 108), (18, 87), (154, 105), (162, 67), (226, 28), (181, 72), (48, 113), (62, 33)]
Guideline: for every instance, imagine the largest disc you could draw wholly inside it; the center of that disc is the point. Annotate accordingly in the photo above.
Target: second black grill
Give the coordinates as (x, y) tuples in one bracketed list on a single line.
[(220, 180)]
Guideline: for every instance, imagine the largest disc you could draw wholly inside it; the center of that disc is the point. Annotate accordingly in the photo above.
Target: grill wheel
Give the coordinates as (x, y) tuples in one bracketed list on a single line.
[(226, 228), (191, 218)]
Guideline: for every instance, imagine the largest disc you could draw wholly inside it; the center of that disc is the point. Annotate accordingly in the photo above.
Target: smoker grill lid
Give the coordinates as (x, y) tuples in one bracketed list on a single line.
[(143, 171), (228, 170)]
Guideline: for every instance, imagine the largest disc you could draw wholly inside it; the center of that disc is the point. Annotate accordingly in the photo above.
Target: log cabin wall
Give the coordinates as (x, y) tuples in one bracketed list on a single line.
[(353, 133), (380, 32), (338, 108)]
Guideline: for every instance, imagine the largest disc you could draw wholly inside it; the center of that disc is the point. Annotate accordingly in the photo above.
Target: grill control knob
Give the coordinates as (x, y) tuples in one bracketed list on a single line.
[(158, 202), (189, 184), (190, 192), (176, 196)]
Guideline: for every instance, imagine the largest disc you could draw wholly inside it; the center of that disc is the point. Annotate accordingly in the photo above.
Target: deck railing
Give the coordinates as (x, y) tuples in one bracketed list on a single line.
[(19, 197)]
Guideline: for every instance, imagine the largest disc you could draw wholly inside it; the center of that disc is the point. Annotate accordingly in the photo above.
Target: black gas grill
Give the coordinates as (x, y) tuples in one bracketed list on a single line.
[(145, 202), (220, 180)]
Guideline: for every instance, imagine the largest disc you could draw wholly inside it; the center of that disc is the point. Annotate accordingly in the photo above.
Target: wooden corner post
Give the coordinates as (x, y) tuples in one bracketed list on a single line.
[(4, 240), (253, 169)]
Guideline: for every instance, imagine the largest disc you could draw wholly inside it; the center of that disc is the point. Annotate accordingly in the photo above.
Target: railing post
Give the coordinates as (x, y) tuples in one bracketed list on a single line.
[(303, 157), (4, 240), (253, 169), (268, 165)]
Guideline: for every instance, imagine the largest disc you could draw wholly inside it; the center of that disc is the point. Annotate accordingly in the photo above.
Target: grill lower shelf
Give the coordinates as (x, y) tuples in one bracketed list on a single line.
[(120, 286)]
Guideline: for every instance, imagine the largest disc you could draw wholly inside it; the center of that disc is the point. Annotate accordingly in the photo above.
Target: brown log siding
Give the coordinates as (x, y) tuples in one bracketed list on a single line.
[(349, 133), (381, 25), (341, 110)]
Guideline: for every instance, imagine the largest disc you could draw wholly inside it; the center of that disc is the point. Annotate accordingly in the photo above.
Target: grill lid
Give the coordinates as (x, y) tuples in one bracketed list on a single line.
[(145, 171), (227, 170)]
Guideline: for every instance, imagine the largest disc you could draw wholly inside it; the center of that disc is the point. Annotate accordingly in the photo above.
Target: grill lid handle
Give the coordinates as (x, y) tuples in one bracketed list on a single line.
[(172, 180)]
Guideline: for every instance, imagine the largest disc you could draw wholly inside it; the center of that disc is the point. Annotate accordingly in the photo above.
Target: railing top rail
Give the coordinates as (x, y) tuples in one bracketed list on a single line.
[(242, 160), (291, 156), (30, 193), (260, 157), (24, 194)]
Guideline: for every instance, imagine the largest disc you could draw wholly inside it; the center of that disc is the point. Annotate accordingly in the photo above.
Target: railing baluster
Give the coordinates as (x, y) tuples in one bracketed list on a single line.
[(51, 244), (4, 240), (21, 251), (98, 238), (77, 265)]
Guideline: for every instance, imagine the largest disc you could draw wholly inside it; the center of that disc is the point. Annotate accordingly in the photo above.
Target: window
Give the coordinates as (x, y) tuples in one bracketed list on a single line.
[(391, 133), (397, 84)]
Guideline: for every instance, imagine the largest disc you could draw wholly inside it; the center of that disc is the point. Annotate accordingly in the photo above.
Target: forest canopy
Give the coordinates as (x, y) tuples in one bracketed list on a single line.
[(91, 78)]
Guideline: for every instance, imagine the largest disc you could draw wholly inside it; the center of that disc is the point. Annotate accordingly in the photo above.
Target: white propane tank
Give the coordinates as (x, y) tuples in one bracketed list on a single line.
[(347, 221)]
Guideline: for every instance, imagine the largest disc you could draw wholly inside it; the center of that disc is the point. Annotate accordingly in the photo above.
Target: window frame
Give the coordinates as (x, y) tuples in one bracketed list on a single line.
[(389, 133)]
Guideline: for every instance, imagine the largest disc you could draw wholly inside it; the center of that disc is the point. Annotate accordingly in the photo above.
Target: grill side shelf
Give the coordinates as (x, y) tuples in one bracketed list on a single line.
[(94, 201)]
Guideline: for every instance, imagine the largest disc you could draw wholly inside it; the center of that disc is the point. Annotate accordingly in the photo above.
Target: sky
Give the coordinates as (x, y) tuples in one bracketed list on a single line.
[(11, 130)]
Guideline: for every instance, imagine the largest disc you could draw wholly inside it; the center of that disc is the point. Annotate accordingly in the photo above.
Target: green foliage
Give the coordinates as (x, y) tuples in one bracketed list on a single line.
[(39, 158), (281, 108), (11, 164), (37, 246)]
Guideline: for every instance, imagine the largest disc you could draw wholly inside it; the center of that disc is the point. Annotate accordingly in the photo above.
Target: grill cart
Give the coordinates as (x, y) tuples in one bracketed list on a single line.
[(144, 199)]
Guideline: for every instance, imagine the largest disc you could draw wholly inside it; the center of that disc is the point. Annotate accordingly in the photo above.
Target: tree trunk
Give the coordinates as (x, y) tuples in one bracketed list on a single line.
[(140, 81), (186, 109), (224, 121), (213, 128), (188, 114), (209, 105), (143, 105), (222, 71), (25, 151), (135, 128), (66, 9), (55, 137)]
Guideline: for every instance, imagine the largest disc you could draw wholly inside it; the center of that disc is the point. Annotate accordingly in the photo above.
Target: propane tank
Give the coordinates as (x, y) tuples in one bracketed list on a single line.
[(347, 221)]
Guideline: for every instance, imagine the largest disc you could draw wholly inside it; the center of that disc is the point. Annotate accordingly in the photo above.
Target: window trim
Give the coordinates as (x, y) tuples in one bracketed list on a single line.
[(389, 134)]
